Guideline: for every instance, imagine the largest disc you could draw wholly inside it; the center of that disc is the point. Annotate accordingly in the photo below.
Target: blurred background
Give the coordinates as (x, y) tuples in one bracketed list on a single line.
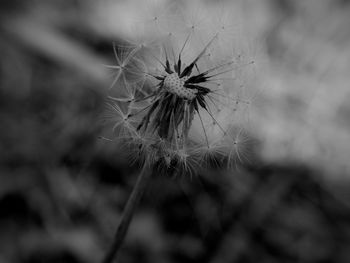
[(62, 189)]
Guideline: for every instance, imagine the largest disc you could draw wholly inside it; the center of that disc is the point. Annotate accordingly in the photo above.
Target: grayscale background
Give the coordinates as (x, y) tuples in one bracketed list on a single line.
[(62, 189)]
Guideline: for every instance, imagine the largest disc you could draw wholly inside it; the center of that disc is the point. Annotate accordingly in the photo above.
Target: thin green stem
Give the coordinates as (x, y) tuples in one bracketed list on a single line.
[(128, 213)]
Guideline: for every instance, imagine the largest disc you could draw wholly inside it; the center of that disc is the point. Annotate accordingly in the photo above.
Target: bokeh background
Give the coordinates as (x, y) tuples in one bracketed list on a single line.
[(62, 189)]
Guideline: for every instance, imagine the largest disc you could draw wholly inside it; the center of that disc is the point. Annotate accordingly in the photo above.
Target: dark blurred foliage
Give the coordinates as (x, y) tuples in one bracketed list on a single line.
[(62, 189)]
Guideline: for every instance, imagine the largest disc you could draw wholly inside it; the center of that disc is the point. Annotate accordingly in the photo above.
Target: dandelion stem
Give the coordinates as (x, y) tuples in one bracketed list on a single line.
[(127, 215)]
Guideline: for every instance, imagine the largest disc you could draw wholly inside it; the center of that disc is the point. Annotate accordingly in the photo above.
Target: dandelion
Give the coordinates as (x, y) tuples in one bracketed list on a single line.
[(175, 113), (184, 100)]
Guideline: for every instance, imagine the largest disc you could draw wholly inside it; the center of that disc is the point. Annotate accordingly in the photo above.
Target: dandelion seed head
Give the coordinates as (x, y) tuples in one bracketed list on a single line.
[(178, 108), (176, 85)]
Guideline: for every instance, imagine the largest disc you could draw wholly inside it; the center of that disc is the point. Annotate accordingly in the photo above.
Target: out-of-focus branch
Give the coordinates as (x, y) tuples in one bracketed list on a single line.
[(53, 44)]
